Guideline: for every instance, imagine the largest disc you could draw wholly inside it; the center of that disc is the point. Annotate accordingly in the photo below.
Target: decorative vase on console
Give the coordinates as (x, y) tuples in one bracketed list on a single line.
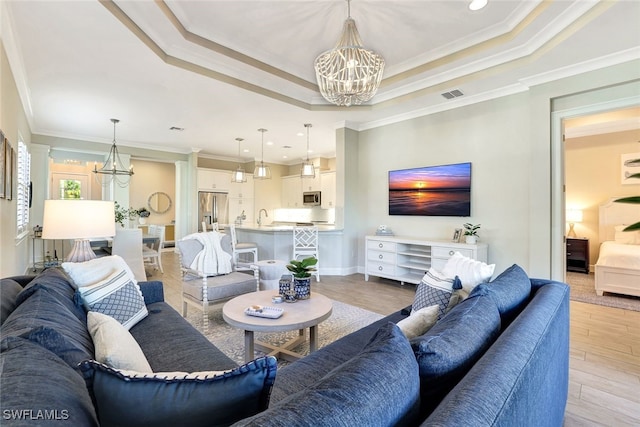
[(302, 276)]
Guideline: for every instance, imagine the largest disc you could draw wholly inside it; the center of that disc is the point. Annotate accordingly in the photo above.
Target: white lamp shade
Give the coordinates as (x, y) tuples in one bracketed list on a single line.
[(574, 215), (78, 219)]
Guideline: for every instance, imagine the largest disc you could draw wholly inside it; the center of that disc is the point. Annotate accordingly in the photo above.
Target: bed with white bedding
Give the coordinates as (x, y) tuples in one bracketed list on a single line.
[(618, 267)]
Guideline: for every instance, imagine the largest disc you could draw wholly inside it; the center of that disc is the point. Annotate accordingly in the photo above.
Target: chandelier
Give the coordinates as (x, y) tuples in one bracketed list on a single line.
[(113, 169), (349, 74), (239, 175), (261, 171), (307, 170)]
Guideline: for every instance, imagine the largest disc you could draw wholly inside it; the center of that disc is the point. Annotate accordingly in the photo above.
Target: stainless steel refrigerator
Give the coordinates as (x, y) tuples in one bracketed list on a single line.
[(212, 207)]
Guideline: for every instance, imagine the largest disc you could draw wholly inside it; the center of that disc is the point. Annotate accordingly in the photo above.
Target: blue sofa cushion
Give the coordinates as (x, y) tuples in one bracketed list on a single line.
[(377, 387), (59, 286), (38, 388), (9, 290), (510, 291), (451, 347), (126, 399), (49, 322)]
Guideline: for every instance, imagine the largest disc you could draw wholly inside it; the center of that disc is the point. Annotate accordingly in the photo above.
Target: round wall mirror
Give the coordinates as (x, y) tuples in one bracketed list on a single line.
[(159, 202)]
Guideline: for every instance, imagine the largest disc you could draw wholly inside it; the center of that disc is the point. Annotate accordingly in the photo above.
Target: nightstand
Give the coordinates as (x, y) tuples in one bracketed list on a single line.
[(578, 255)]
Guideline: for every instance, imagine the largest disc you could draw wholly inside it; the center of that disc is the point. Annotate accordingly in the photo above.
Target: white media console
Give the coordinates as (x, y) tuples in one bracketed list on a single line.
[(407, 259)]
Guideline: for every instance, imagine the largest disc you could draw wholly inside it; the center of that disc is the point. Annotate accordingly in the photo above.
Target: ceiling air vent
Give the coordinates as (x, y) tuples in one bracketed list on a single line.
[(452, 94), (176, 128)]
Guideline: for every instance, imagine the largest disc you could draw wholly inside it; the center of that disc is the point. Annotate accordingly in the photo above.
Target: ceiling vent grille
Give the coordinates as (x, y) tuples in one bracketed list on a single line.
[(452, 94)]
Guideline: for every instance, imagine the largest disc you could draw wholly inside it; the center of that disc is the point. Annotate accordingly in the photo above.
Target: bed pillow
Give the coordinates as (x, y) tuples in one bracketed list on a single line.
[(437, 289), (419, 322), (626, 237), (117, 296), (126, 398), (114, 345), (470, 271), (95, 270)]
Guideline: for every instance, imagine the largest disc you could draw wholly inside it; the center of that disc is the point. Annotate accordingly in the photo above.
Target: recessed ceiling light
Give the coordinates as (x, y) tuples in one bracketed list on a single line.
[(299, 134), (246, 150), (269, 142), (285, 157), (477, 4)]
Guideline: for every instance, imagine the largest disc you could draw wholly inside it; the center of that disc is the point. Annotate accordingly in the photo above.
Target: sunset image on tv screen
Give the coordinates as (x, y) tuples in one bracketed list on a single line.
[(431, 191)]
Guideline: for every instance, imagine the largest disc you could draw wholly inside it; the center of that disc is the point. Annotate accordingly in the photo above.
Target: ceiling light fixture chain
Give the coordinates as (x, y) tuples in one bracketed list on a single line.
[(261, 171), (239, 175), (308, 170), (113, 169), (349, 74)]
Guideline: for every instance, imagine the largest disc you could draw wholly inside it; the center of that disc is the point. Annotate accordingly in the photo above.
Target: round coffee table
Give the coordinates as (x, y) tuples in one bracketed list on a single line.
[(299, 315)]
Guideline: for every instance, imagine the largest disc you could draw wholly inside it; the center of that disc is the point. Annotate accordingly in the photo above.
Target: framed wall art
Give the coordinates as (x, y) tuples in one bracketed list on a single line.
[(10, 158), (630, 168)]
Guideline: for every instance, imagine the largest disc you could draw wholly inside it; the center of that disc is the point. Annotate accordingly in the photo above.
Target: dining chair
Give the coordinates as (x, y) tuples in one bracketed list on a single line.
[(128, 244), (305, 244), (153, 254), (242, 248)]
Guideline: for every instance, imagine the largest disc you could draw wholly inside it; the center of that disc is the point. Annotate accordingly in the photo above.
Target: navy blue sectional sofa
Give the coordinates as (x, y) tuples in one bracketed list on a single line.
[(499, 358)]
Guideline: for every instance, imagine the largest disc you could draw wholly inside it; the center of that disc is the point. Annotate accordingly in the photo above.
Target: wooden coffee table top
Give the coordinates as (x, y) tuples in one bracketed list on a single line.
[(298, 315)]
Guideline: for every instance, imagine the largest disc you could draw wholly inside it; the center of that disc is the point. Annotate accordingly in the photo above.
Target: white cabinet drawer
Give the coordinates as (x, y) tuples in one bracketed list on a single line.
[(444, 252), (388, 257), (381, 245), (381, 269)]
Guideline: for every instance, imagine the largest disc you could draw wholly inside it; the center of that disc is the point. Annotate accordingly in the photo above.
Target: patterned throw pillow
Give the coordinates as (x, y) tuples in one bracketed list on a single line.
[(116, 296), (437, 289)]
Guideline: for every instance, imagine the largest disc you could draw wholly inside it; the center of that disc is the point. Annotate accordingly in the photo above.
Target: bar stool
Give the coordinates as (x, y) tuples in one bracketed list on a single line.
[(242, 248)]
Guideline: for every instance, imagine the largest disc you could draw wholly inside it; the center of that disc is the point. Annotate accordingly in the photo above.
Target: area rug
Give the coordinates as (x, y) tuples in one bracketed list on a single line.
[(344, 319), (583, 289)]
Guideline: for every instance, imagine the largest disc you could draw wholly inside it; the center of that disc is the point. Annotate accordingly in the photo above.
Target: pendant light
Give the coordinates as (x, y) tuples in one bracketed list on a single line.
[(261, 171), (349, 74), (239, 175), (113, 168), (307, 170)]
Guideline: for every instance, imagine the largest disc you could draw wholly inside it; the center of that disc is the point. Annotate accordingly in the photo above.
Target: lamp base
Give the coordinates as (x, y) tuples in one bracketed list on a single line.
[(81, 251), (571, 233)]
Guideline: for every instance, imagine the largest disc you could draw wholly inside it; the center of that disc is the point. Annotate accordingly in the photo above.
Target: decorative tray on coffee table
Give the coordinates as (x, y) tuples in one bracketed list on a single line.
[(264, 311)]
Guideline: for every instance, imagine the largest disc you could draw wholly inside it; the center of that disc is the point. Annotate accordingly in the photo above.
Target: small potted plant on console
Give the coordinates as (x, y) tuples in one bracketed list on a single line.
[(302, 276), (144, 214), (471, 233)]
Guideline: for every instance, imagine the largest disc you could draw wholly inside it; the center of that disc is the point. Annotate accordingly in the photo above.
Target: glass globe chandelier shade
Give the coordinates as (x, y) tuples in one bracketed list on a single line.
[(307, 170), (239, 174), (113, 169), (262, 171), (349, 74)]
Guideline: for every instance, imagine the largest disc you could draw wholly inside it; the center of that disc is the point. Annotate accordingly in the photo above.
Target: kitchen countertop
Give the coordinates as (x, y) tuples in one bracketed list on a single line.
[(281, 227)]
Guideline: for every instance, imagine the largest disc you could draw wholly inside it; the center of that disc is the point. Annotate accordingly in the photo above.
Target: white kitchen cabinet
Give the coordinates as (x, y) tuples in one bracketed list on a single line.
[(328, 189), (241, 190), (291, 192), (311, 184), (407, 259), (213, 180)]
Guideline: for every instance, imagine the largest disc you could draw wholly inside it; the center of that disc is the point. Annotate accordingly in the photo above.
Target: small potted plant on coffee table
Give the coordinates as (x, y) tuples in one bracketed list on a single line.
[(302, 276)]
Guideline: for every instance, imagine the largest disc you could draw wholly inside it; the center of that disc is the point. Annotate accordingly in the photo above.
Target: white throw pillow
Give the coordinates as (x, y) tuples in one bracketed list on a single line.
[(116, 296), (114, 345), (89, 272), (625, 237), (419, 322), (470, 271)]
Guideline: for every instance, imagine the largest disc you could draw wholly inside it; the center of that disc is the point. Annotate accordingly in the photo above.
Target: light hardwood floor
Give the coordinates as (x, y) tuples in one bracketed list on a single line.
[(604, 373)]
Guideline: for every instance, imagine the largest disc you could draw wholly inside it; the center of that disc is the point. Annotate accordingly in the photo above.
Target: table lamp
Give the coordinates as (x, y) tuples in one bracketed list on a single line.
[(573, 216), (79, 220)]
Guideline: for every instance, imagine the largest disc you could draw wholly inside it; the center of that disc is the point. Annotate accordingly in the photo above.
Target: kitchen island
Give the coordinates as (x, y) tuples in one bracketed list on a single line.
[(275, 241)]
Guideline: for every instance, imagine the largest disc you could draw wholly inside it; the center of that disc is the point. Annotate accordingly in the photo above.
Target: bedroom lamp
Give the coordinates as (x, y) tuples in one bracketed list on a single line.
[(79, 220), (573, 216)]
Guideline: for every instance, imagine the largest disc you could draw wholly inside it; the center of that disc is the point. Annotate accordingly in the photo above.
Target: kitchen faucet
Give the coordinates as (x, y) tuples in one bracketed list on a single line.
[(266, 215)]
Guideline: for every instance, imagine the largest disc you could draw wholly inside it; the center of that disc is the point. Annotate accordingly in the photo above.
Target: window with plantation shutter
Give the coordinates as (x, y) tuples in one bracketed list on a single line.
[(23, 179)]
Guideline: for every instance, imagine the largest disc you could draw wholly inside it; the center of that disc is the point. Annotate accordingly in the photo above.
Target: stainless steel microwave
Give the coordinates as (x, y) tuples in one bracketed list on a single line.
[(311, 198)]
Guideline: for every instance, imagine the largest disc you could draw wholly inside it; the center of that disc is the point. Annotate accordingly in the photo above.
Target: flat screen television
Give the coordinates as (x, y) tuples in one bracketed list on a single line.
[(431, 191)]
